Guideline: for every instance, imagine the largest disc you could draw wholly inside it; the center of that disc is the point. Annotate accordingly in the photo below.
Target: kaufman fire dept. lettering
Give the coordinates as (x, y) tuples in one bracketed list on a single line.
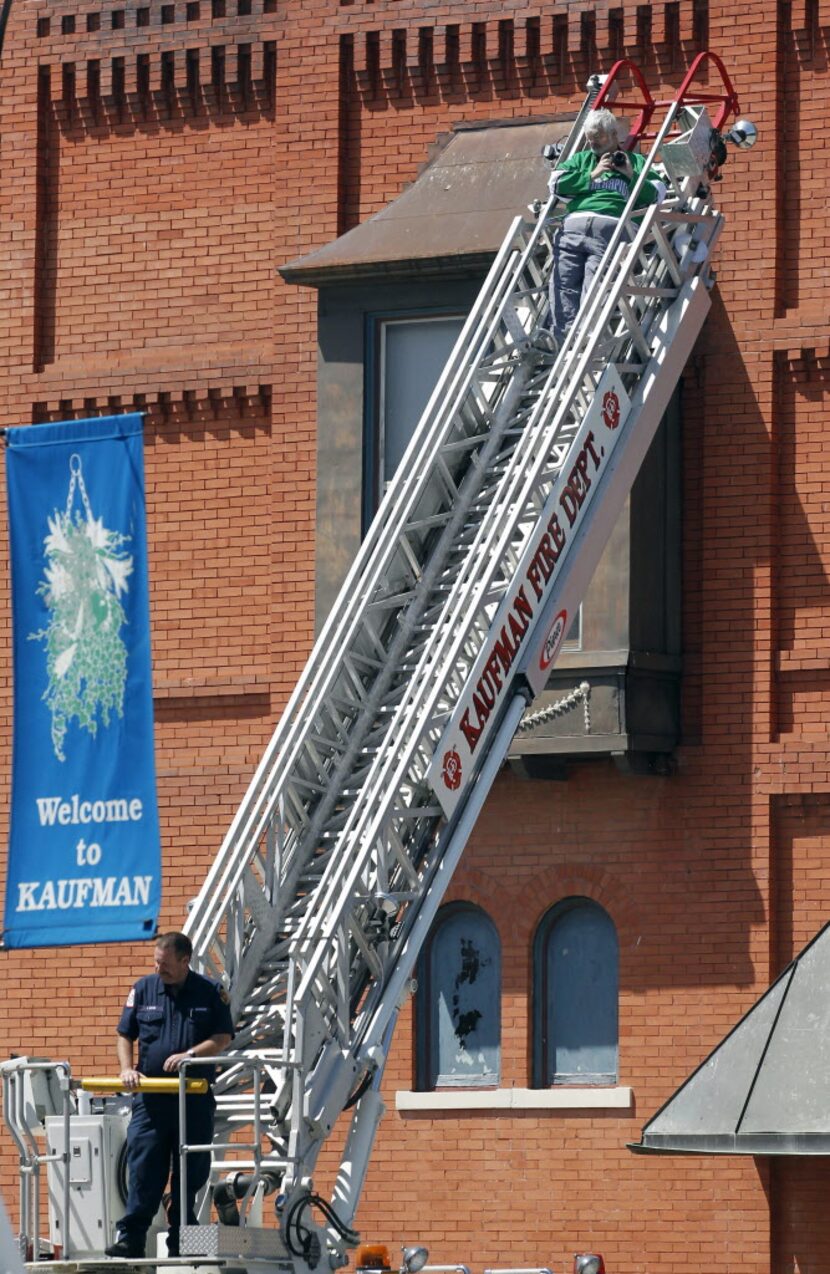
[(498, 663), (549, 548), (539, 595)]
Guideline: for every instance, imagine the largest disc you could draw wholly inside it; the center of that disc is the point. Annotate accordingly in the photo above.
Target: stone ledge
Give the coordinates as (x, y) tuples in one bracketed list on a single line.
[(516, 1099)]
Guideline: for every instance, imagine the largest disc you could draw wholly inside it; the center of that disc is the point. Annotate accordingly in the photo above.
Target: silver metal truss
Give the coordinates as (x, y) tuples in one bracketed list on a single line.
[(336, 861)]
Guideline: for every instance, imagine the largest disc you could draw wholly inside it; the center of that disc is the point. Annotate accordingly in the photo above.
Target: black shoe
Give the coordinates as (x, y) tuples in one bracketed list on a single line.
[(127, 1246), (173, 1245)]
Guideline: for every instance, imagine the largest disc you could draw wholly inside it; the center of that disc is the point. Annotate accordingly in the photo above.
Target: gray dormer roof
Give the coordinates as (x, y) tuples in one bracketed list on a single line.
[(765, 1090), (454, 215)]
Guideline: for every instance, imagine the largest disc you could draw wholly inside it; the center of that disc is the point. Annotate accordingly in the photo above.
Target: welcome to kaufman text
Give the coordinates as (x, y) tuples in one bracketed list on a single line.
[(68, 813), (94, 891), (85, 891)]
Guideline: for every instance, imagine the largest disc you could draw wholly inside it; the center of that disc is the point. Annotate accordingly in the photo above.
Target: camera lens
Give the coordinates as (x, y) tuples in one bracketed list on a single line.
[(618, 159)]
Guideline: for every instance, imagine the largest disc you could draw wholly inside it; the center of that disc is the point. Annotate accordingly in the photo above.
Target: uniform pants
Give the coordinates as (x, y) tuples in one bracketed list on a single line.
[(153, 1157), (577, 251)]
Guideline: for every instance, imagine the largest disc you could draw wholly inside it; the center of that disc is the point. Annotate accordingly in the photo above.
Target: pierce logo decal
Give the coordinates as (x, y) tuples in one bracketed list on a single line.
[(554, 640)]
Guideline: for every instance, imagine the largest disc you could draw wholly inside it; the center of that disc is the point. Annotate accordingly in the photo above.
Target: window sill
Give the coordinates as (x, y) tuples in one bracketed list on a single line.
[(517, 1099)]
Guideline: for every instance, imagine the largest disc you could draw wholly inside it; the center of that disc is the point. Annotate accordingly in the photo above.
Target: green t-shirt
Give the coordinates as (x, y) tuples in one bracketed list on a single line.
[(609, 194)]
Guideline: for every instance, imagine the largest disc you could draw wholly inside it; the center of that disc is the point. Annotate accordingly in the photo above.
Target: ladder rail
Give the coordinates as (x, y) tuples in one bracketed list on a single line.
[(340, 823), (611, 255), (326, 661), (474, 582), (450, 530), (298, 865), (319, 934), (258, 807), (365, 1053), (342, 887), (595, 298)]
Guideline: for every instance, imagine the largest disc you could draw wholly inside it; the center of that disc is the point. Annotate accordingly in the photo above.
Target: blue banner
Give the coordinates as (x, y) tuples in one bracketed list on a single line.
[(84, 853)]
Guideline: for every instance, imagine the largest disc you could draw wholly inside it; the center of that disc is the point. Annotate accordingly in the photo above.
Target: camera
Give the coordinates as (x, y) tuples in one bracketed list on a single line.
[(619, 158)]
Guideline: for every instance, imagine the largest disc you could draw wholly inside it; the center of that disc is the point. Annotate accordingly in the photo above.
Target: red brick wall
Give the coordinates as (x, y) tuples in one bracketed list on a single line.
[(502, 1189), (151, 186)]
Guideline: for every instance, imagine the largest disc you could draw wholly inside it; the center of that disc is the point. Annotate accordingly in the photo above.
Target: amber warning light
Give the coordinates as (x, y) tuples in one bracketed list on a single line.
[(373, 1256)]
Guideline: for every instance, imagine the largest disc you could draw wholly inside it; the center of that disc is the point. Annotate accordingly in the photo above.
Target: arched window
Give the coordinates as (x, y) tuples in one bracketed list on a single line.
[(576, 983), (459, 1001)]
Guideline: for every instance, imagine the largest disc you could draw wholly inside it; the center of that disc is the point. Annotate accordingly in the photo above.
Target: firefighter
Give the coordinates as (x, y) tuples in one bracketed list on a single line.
[(174, 1014)]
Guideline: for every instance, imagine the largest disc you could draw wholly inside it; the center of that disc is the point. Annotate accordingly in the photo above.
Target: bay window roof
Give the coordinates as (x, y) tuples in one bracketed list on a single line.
[(454, 215)]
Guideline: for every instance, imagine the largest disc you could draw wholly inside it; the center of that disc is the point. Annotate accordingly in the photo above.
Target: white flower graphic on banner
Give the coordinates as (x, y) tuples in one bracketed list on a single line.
[(86, 573)]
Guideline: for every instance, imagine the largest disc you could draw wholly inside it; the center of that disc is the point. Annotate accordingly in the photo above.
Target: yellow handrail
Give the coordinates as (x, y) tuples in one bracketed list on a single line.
[(108, 1084)]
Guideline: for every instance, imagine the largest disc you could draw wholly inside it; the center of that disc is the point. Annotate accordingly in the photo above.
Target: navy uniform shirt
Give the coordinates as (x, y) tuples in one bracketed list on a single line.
[(166, 1023)]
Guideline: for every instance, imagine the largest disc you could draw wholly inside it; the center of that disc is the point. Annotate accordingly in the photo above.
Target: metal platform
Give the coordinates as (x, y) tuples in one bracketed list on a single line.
[(242, 1244), (164, 1265), (208, 1249), (118, 1265)]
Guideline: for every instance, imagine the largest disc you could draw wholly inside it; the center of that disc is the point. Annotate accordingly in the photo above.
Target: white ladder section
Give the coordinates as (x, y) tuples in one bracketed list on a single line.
[(336, 862)]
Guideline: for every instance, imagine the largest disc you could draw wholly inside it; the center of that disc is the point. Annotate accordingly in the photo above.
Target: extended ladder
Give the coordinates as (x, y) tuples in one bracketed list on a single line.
[(335, 864)]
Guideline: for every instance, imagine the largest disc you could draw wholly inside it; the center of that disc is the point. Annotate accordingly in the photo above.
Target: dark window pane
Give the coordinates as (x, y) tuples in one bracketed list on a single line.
[(414, 353), (464, 988), (581, 976)]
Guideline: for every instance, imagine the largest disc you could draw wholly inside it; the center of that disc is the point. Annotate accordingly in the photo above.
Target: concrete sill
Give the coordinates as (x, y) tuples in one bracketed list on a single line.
[(516, 1099)]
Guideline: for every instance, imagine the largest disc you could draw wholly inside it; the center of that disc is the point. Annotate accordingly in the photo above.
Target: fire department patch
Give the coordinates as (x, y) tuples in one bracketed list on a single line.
[(223, 996), (611, 409), (451, 770), (130, 998)]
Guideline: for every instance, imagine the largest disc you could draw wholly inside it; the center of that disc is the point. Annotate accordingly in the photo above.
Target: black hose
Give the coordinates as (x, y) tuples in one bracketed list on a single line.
[(307, 1243), (345, 1231), (121, 1172), (292, 1222)]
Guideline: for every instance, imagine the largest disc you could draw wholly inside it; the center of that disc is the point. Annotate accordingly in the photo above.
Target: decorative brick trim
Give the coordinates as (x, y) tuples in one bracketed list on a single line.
[(214, 399), (404, 57), (69, 32), (164, 71)]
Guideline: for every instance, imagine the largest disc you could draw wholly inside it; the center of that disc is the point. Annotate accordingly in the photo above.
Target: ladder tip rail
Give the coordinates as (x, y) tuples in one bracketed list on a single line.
[(727, 100)]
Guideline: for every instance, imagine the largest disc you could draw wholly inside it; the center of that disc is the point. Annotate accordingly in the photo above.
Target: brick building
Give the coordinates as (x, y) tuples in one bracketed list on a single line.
[(160, 162)]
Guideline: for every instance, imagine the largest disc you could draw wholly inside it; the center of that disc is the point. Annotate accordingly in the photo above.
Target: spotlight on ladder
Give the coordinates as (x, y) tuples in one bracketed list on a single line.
[(414, 1259), (587, 1264), (742, 134)]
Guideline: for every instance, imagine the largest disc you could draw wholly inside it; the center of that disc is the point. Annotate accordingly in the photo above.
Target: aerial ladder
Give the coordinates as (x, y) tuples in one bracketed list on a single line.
[(330, 876)]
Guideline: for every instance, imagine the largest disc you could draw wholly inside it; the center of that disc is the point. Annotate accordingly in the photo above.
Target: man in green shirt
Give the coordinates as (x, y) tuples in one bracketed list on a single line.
[(596, 184)]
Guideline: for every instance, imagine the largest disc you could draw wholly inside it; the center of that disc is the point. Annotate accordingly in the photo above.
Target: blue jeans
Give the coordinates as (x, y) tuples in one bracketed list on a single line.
[(577, 251)]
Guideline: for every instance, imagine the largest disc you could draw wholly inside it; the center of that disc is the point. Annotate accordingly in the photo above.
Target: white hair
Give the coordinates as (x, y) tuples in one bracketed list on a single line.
[(597, 122)]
